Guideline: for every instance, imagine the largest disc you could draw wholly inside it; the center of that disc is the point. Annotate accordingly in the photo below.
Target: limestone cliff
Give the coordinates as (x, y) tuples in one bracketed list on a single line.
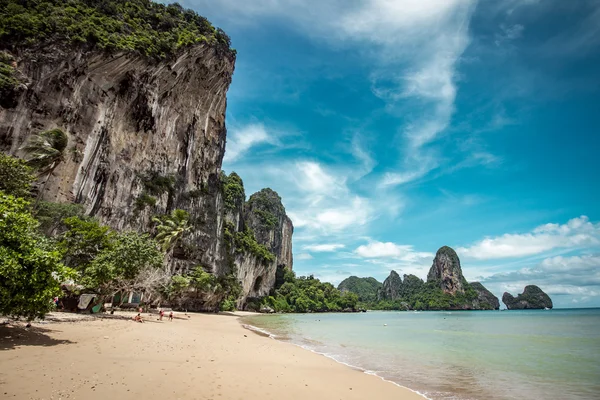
[(532, 298), (447, 271), (145, 137), (392, 286), (485, 299), (260, 235)]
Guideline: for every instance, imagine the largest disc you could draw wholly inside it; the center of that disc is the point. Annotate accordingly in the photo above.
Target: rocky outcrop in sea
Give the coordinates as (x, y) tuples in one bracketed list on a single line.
[(532, 298)]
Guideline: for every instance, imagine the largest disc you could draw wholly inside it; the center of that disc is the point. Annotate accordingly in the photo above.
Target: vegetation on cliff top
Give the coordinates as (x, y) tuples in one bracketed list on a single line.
[(233, 191), (365, 288), (153, 29)]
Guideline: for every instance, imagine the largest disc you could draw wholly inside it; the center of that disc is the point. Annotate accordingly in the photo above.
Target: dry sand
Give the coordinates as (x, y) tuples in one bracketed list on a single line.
[(203, 357)]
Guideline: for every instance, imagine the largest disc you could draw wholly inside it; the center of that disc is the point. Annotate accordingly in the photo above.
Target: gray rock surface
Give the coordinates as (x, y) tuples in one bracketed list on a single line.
[(447, 271), (485, 299)]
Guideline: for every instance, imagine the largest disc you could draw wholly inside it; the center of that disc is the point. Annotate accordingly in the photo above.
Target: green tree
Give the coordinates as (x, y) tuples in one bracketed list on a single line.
[(171, 228), (116, 267), (83, 241), (30, 268), (51, 216), (16, 176), (202, 281), (45, 151)]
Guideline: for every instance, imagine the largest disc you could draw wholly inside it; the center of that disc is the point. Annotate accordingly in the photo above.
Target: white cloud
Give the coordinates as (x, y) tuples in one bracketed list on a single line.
[(377, 249), (312, 177), (303, 256), (323, 248), (241, 140), (576, 233)]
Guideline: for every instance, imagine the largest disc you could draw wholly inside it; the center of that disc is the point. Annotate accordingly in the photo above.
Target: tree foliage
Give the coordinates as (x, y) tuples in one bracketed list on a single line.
[(46, 150), (16, 176), (233, 191), (307, 294), (30, 268), (365, 288), (117, 265), (83, 241), (150, 28), (51, 216), (171, 228)]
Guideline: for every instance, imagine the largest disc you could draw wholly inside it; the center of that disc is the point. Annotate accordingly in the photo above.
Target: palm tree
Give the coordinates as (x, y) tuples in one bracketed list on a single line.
[(171, 228), (45, 151)]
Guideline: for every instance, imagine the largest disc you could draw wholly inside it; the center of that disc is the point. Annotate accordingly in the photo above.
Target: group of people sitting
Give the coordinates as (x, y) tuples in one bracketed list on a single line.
[(161, 313)]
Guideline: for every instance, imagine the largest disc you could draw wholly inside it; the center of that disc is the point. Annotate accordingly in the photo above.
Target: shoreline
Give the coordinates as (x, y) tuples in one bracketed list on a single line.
[(207, 356), (264, 333)]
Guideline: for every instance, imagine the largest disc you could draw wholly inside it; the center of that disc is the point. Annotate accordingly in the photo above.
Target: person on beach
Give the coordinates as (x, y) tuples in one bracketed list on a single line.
[(161, 313), (171, 316), (138, 318)]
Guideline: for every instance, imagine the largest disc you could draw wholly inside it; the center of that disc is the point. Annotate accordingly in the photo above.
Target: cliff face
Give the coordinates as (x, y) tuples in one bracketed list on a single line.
[(485, 299), (532, 298), (447, 271), (145, 137), (392, 286), (264, 215)]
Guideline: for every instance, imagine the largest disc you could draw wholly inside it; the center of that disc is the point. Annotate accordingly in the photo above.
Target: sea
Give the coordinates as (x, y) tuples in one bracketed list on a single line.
[(459, 355)]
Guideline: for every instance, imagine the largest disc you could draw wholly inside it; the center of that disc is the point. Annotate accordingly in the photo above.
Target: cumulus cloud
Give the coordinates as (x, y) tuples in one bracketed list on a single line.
[(323, 247), (241, 140), (576, 233)]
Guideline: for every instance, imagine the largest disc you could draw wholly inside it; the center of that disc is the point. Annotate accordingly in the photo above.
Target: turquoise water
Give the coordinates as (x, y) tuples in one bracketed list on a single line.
[(535, 354)]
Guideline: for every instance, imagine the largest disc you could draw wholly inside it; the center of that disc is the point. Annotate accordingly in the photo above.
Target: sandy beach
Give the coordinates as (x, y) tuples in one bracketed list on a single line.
[(201, 357)]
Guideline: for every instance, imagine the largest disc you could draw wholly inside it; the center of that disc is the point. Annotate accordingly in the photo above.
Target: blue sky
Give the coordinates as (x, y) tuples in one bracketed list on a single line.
[(391, 128)]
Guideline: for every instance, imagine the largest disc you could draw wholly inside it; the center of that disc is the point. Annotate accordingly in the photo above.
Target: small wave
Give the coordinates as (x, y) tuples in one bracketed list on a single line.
[(259, 331)]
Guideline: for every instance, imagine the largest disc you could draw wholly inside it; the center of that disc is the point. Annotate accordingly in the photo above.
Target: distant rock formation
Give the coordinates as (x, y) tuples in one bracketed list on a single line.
[(392, 287), (485, 299), (446, 270), (532, 298)]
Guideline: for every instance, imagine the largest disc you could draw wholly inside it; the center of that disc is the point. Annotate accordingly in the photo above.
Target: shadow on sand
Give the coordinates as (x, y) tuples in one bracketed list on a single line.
[(12, 336)]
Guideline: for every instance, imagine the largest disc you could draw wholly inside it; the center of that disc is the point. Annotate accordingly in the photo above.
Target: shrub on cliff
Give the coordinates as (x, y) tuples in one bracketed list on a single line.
[(153, 29)]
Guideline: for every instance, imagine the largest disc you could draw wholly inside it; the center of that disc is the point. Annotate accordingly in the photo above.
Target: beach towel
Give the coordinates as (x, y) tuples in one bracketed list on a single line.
[(84, 301)]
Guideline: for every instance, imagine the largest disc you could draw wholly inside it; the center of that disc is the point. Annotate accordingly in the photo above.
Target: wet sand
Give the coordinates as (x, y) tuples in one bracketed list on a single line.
[(201, 357)]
